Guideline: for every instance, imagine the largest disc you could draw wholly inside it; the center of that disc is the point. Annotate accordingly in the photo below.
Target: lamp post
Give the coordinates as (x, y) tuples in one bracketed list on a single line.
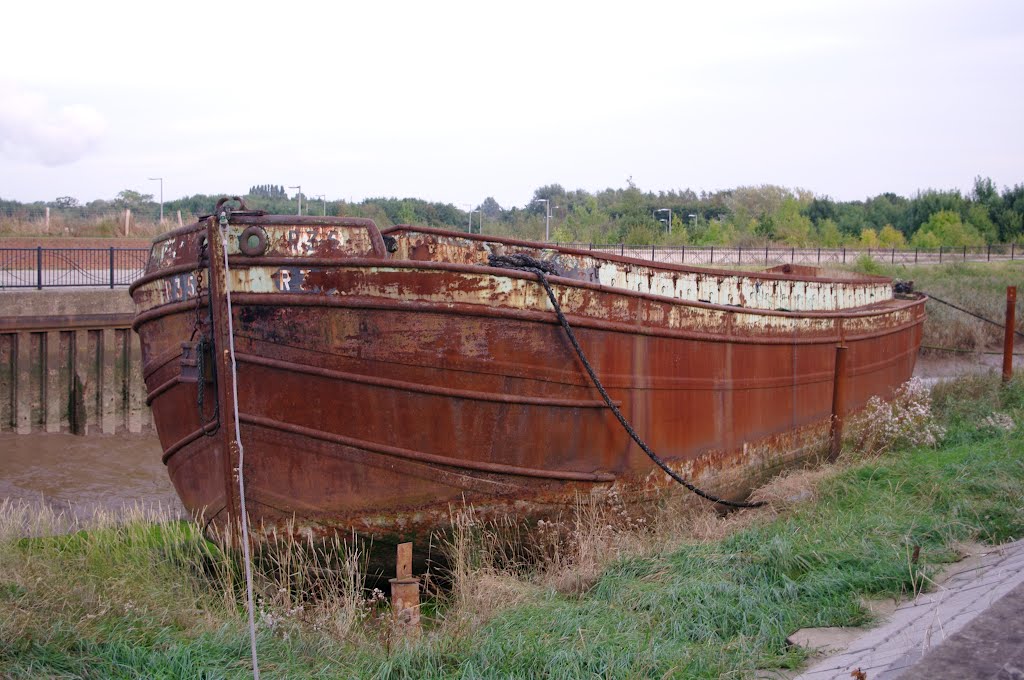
[(161, 180), (299, 194), (669, 211), (324, 199), (547, 217)]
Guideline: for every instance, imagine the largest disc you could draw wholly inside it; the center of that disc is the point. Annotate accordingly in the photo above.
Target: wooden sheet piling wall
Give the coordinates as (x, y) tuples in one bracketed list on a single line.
[(69, 362)]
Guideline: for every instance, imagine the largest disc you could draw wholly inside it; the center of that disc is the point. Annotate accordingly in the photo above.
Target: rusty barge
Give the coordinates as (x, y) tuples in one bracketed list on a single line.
[(383, 376)]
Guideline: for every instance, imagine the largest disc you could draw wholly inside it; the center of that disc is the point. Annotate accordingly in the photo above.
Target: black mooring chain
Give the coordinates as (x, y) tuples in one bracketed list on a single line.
[(542, 269)]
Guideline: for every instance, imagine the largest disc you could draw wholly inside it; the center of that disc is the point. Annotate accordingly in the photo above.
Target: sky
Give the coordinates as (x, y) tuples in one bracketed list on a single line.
[(458, 101)]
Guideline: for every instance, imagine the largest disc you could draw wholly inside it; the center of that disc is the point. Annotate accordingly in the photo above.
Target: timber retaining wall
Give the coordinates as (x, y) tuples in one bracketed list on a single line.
[(70, 362)]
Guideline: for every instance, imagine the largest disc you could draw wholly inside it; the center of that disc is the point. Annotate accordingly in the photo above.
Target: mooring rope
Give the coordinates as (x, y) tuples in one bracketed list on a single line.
[(542, 269), (970, 313), (223, 219)]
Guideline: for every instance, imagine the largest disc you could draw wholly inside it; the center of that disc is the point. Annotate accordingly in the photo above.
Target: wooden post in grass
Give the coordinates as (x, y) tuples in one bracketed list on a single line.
[(179, 219), (838, 405), (1011, 307), (127, 219), (405, 594)]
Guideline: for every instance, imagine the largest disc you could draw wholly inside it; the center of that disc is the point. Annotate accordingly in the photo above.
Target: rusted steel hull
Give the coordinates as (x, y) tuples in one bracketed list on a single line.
[(377, 387)]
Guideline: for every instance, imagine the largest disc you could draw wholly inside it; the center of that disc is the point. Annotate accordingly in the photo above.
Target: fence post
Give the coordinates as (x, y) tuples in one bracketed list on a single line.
[(989, 255), (965, 253), (739, 255), (39, 267), (652, 253), (47, 218), (712, 255), (819, 255), (111, 267), (792, 255), (591, 246), (766, 256), (1011, 308), (127, 219), (622, 249), (179, 219), (915, 255), (844, 254), (682, 254), (893, 256), (940, 254), (1013, 244)]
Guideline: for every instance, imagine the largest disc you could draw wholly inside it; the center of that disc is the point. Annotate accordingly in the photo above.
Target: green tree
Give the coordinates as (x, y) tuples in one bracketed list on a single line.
[(869, 238), (829, 234), (891, 237), (946, 229)]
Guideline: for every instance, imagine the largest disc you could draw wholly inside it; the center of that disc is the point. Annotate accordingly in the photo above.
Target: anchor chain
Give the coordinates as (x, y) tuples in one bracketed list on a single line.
[(542, 269)]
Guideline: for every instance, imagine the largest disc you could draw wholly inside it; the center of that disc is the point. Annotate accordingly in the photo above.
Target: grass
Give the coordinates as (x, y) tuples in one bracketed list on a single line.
[(685, 593), (979, 287), (101, 226)]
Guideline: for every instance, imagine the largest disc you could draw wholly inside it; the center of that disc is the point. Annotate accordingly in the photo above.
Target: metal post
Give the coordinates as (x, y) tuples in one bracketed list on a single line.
[(915, 255), (1013, 244), (682, 254), (1011, 308), (893, 256), (940, 254), (792, 255), (844, 254), (965, 253), (622, 249), (111, 267), (652, 253), (766, 256), (712, 254), (988, 256), (819, 255), (739, 255), (838, 405), (39, 267)]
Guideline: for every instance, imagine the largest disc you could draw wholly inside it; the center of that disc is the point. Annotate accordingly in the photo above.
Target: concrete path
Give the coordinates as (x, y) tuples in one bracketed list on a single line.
[(971, 626)]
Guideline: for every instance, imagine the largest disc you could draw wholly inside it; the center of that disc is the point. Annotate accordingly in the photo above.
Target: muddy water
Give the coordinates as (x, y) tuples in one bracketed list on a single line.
[(85, 474)]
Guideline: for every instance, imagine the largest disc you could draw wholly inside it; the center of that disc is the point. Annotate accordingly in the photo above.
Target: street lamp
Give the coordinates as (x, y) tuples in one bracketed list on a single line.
[(669, 211), (161, 180), (547, 217), (324, 199), (299, 187)]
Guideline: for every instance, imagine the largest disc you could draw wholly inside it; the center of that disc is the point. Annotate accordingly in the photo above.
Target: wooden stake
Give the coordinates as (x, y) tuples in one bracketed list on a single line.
[(127, 219), (405, 594), (179, 219)]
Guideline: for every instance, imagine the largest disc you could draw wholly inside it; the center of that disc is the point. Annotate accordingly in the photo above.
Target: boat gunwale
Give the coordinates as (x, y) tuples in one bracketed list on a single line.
[(308, 220), (873, 309), (547, 317), (604, 255)]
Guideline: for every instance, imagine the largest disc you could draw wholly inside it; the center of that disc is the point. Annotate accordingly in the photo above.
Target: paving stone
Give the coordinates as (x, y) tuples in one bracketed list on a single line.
[(976, 609)]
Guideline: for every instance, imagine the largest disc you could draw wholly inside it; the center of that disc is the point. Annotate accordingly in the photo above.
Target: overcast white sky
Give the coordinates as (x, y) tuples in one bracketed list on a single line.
[(455, 102)]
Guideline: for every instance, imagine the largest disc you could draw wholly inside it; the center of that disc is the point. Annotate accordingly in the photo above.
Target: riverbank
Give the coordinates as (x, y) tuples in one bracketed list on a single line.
[(679, 593)]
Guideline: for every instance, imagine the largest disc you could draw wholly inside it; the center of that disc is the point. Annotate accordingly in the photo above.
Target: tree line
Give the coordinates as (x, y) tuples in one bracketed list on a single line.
[(746, 216)]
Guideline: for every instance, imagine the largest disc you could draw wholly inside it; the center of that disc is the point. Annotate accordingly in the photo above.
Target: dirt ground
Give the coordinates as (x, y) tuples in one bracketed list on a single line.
[(933, 367)]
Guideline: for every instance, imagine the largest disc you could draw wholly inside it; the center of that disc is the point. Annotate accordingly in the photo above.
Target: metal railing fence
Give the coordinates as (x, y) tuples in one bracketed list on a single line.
[(111, 267), (70, 267)]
